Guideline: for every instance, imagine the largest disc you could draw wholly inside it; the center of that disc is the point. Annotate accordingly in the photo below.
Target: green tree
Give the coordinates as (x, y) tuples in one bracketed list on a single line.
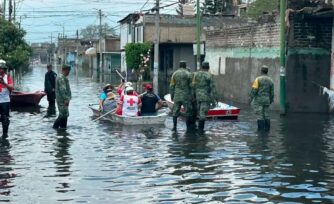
[(179, 9), (92, 31), (258, 7), (13, 47), (134, 53), (217, 6), (138, 58)]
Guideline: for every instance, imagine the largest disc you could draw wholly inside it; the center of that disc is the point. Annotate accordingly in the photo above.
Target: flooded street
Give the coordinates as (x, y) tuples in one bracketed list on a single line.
[(101, 162)]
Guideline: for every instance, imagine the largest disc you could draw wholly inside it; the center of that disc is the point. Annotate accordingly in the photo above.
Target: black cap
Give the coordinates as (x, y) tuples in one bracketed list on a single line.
[(205, 65), (264, 69), (183, 64)]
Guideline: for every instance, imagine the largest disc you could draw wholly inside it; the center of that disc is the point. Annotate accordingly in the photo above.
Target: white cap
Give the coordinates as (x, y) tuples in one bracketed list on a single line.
[(2, 63), (127, 84), (129, 88)]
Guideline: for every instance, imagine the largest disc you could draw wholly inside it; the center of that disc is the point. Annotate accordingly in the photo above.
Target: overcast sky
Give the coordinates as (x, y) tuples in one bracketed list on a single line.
[(43, 18)]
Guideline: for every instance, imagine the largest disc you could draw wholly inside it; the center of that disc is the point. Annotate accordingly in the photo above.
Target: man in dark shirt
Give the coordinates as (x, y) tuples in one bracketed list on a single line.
[(49, 88), (149, 101)]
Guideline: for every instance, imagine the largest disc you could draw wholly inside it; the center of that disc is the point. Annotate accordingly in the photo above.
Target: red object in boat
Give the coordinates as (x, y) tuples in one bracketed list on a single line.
[(222, 110), (18, 98)]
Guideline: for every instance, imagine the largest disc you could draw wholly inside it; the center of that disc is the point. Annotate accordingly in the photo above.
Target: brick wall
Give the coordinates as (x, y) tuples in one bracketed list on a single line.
[(310, 32), (245, 36)]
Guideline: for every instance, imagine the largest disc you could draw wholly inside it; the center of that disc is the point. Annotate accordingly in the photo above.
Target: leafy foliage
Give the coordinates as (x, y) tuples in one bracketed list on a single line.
[(217, 6), (258, 7), (134, 53), (13, 48), (92, 31), (179, 9)]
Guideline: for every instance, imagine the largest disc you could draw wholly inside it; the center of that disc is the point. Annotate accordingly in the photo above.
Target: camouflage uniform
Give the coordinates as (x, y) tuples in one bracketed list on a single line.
[(180, 91), (63, 94), (205, 94), (262, 95)]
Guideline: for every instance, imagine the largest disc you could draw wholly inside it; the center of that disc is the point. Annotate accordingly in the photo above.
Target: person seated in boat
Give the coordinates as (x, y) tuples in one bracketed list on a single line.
[(121, 87), (110, 102), (103, 96), (129, 104), (122, 92), (151, 102)]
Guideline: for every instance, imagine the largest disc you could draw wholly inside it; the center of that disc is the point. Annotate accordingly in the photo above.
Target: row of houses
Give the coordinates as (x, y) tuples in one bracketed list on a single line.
[(236, 48)]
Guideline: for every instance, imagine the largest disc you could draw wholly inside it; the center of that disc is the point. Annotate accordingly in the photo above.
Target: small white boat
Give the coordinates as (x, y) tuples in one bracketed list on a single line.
[(138, 120), (222, 110)]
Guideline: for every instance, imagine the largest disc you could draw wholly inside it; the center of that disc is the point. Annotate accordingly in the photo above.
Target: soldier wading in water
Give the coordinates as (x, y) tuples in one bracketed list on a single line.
[(180, 90), (261, 96), (204, 92), (63, 97)]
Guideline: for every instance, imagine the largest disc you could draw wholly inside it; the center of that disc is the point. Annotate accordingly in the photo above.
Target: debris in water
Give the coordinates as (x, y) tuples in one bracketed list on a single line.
[(330, 96)]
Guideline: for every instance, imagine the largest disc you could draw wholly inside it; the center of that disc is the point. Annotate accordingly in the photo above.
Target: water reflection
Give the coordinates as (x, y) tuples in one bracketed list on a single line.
[(6, 171), (306, 146), (63, 161)]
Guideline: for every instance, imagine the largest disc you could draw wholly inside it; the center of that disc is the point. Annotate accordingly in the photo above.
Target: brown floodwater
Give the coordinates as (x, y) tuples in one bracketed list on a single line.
[(102, 162)]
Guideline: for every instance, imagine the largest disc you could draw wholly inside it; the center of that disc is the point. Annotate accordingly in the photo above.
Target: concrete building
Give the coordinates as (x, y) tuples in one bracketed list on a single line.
[(177, 40), (111, 58), (177, 36), (42, 52)]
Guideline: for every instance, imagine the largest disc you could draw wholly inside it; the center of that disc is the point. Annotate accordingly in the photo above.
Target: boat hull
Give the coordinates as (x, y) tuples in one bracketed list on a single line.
[(138, 120), (222, 110), (18, 98)]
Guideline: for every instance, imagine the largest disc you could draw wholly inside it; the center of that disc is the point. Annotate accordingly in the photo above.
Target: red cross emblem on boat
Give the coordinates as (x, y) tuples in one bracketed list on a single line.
[(130, 101)]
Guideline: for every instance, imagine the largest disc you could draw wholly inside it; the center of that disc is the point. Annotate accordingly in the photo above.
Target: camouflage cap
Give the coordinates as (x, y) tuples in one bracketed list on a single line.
[(205, 65), (66, 66)]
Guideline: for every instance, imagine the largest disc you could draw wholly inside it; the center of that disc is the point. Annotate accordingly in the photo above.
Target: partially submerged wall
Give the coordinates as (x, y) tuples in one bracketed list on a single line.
[(308, 63), (237, 54)]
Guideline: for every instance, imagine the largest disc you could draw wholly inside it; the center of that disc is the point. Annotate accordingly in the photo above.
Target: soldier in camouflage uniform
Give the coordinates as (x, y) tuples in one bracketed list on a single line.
[(180, 91), (205, 92), (261, 96), (193, 111), (63, 97)]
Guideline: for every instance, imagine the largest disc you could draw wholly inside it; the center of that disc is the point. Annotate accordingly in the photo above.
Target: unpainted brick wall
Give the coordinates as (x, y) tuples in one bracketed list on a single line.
[(245, 36), (310, 32)]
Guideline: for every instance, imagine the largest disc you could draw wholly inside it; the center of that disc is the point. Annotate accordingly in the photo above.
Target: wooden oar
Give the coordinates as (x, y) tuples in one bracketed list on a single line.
[(114, 110)]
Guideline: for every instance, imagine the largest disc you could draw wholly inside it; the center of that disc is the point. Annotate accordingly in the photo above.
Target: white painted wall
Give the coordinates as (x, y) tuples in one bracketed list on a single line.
[(217, 61)]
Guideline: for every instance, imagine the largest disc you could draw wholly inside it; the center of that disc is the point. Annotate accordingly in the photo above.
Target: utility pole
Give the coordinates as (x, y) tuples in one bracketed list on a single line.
[(10, 10), (20, 22), (4, 9), (198, 35), (156, 48), (14, 16), (56, 61), (282, 57), (76, 57), (63, 42), (100, 48), (51, 50)]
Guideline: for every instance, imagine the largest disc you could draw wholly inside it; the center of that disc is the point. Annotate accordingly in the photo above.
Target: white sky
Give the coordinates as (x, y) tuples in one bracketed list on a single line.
[(40, 18)]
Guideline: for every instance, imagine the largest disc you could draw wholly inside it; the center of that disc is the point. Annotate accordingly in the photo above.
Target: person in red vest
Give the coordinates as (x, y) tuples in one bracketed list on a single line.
[(129, 104), (6, 86)]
